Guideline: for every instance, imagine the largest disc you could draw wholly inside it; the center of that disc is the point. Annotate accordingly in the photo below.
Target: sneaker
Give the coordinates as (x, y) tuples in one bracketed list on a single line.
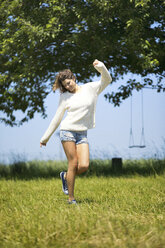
[(72, 202), (64, 183)]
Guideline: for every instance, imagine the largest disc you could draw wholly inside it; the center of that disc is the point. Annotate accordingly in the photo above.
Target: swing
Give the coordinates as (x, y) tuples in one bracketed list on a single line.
[(131, 138)]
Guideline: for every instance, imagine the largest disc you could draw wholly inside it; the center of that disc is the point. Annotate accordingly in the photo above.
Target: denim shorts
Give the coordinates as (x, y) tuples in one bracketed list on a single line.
[(78, 137)]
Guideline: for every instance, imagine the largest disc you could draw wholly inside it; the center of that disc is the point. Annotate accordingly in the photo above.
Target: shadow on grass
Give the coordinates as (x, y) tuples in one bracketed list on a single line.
[(52, 169), (86, 201)]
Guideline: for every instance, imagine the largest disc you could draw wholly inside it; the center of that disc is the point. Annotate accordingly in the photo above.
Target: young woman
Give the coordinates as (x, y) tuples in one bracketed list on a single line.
[(80, 104)]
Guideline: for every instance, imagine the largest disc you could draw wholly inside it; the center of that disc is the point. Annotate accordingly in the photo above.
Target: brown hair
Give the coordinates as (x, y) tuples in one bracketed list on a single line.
[(61, 76)]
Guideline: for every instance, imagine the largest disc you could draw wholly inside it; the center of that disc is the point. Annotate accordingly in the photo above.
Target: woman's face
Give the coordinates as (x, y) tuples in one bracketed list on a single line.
[(69, 85)]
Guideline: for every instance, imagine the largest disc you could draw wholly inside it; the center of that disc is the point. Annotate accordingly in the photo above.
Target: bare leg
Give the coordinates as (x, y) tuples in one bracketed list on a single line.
[(78, 162), (83, 158), (71, 154)]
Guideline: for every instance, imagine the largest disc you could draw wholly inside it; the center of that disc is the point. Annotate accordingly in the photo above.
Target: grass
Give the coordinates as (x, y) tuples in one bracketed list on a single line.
[(51, 169), (120, 212)]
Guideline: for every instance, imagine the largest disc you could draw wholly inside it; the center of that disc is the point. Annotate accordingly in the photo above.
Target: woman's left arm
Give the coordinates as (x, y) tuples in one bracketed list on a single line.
[(105, 76)]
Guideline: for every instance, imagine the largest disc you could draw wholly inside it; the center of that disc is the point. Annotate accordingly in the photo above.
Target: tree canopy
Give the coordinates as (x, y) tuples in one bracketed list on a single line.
[(39, 38)]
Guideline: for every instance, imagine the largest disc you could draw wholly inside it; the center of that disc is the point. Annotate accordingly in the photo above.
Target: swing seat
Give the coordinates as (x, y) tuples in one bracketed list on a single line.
[(137, 146)]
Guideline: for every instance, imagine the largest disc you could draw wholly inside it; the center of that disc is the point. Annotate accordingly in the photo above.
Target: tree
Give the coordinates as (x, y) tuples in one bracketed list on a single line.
[(38, 38)]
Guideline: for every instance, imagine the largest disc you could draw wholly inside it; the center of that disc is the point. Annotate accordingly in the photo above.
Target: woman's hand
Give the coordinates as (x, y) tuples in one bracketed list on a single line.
[(42, 144), (95, 62)]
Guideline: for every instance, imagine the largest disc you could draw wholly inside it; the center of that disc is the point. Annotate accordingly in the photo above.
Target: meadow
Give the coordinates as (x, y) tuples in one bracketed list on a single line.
[(119, 209)]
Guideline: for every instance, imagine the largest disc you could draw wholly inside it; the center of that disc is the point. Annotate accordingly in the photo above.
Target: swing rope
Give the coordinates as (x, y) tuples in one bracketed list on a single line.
[(142, 141), (131, 139)]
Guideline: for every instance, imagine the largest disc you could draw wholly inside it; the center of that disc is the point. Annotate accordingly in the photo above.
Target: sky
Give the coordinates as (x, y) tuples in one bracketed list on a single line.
[(110, 137)]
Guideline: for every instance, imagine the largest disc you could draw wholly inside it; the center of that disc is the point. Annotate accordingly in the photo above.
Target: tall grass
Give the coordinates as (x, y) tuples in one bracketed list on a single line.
[(48, 169)]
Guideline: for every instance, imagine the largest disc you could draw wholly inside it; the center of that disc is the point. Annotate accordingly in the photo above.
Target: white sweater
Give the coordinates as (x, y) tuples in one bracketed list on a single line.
[(80, 106)]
